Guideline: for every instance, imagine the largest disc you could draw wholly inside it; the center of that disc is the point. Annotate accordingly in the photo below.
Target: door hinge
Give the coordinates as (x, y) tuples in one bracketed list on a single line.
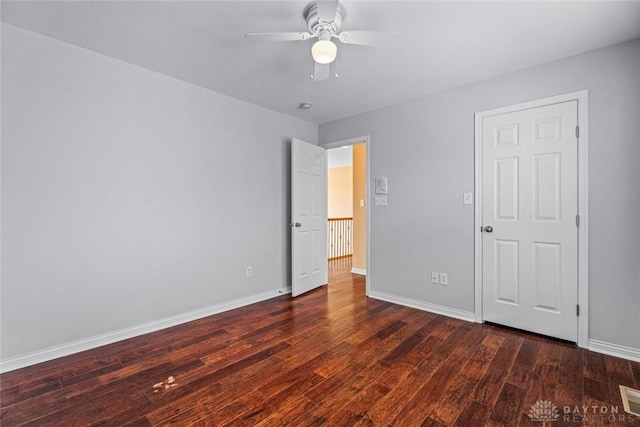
[(577, 309), (578, 221), (577, 131)]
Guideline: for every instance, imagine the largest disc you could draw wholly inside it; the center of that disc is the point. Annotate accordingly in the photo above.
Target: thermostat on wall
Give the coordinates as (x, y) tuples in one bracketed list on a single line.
[(381, 185)]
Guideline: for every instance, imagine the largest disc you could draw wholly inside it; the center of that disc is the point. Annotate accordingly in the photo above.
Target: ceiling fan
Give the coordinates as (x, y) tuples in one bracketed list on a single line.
[(324, 20)]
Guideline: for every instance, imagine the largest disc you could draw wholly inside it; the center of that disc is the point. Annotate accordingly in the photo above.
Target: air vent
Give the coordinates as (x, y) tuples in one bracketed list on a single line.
[(630, 400)]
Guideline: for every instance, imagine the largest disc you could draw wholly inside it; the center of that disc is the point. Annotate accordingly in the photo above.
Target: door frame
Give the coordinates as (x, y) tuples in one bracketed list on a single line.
[(583, 204), (353, 141)]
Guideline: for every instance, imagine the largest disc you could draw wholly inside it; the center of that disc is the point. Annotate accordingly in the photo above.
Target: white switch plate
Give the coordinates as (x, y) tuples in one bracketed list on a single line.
[(435, 277), (468, 198), (380, 200), (361, 203), (444, 279), (381, 185)]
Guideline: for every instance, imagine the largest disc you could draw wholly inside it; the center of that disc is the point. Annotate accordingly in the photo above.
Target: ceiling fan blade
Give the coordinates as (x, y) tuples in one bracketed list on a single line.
[(321, 72), (327, 10), (370, 38), (276, 37)]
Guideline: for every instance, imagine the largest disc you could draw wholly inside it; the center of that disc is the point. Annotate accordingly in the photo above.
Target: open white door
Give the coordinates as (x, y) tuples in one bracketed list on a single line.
[(309, 262)]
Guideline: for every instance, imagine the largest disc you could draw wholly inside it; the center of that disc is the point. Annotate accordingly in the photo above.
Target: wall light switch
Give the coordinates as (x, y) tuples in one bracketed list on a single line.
[(468, 198), (361, 203), (444, 279), (435, 277), (380, 200)]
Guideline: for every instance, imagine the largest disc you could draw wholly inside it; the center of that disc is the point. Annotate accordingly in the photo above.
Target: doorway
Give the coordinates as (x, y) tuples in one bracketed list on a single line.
[(348, 207), (531, 242)]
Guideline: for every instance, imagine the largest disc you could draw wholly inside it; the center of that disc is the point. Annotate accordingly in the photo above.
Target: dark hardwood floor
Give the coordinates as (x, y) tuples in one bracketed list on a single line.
[(330, 357)]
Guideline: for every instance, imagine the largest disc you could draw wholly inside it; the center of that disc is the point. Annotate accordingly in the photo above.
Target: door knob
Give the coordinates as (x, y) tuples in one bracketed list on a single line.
[(488, 229)]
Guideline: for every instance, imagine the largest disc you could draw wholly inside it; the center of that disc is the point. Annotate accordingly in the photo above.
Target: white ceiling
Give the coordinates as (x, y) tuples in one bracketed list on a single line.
[(446, 44)]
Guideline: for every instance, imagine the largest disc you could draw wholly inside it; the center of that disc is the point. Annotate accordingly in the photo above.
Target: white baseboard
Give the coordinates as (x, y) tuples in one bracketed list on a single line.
[(62, 350), (425, 306), (616, 350), (359, 271)]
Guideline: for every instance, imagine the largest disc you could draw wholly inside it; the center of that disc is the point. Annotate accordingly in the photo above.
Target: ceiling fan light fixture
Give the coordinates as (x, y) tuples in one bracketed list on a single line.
[(324, 51)]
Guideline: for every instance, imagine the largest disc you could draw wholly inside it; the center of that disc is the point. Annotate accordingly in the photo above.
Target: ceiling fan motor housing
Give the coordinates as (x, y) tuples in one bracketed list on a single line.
[(317, 27)]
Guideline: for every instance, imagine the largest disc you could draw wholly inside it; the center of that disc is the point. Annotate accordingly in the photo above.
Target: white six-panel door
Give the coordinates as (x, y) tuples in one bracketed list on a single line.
[(529, 239), (309, 261)]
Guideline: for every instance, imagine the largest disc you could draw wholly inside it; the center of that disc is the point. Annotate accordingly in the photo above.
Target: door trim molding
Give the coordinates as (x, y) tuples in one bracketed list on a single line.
[(583, 203), (353, 141)]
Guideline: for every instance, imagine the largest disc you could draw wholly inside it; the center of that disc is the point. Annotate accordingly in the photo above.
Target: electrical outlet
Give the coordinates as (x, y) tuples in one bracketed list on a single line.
[(249, 271), (435, 277), (444, 279)]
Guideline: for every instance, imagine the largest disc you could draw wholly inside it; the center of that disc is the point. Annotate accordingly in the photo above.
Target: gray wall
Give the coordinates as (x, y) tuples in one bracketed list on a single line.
[(426, 148), (129, 196)]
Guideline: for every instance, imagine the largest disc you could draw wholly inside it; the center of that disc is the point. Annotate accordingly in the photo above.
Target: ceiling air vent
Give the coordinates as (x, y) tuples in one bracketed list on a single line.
[(630, 400)]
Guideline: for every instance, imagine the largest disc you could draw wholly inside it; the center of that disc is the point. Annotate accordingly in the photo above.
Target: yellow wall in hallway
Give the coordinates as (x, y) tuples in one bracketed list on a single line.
[(359, 212), (340, 192)]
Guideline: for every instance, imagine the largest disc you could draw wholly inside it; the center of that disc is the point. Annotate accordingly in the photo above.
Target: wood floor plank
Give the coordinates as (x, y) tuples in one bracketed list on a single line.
[(619, 372), (113, 398), (456, 392), (32, 409), (473, 414), (521, 372), (233, 411), (635, 368), (42, 373), (359, 406), (295, 408), (132, 413), (490, 385), (594, 366), (569, 386), (387, 408), (212, 397), (283, 401), (509, 405), (16, 394), (597, 390), (545, 374), (443, 350), (419, 407), (430, 422), (329, 357)]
